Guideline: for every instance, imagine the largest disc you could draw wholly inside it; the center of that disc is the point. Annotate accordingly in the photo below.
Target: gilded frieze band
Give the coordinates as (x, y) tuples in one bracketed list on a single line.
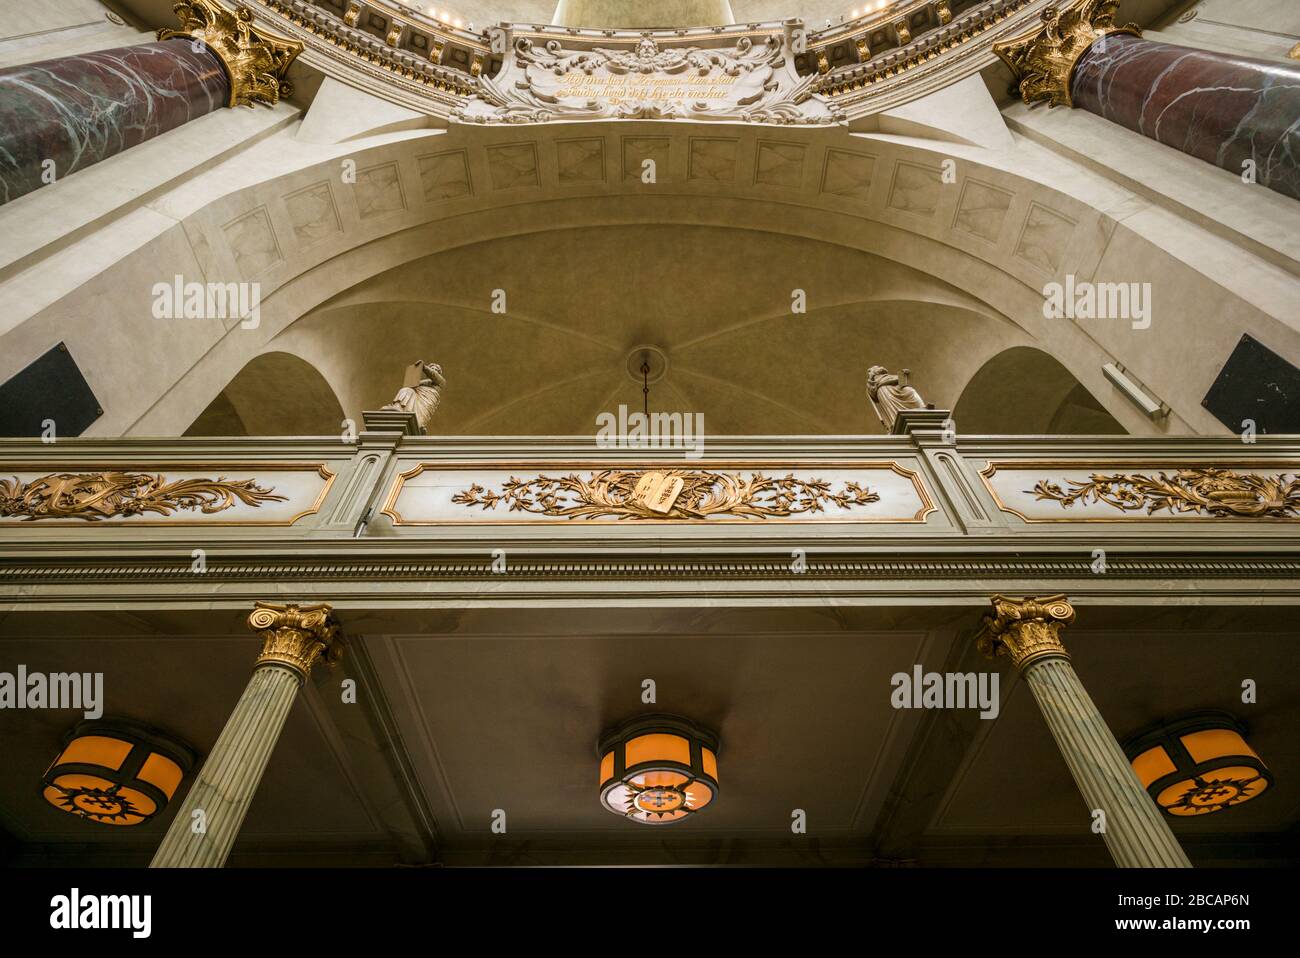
[(175, 493), (1118, 492), (436, 494)]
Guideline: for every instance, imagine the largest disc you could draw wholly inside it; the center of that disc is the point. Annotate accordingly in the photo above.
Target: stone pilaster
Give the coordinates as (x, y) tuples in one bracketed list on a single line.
[(207, 823), (1028, 631)]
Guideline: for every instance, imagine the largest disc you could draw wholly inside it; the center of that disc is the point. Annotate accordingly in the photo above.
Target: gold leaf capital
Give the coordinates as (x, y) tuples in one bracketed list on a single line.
[(1043, 61), (1025, 629), (295, 636), (256, 60)]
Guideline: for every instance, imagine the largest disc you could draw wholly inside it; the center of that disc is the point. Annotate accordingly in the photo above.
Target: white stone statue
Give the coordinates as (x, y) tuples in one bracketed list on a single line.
[(891, 394), (422, 398)]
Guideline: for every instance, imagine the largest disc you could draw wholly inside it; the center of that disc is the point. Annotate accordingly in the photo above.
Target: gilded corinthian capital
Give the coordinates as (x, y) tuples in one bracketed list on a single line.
[(295, 636), (1043, 61), (256, 61), (1025, 629)]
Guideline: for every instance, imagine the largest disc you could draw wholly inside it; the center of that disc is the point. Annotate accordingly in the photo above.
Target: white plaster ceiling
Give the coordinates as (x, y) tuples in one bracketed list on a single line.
[(718, 303)]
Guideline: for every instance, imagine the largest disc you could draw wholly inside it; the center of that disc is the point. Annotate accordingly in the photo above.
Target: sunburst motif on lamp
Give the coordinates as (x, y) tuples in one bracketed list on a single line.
[(1197, 765), (658, 769), (115, 772)]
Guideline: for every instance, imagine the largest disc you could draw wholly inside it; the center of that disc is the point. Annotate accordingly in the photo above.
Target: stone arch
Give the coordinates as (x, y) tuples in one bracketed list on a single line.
[(1025, 391), (308, 241), (274, 394)]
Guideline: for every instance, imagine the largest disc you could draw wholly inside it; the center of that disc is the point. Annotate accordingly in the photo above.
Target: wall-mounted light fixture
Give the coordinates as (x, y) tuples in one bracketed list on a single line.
[(658, 769), (116, 772), (1197, 765), (1153, 408)]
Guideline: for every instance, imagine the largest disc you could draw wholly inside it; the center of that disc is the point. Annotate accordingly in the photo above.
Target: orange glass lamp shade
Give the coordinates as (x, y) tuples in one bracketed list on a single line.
[(658, 769), (115, 772), (1198, 765)]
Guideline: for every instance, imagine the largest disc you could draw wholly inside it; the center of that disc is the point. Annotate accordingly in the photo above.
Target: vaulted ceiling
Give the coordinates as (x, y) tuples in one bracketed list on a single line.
[(762, 333)]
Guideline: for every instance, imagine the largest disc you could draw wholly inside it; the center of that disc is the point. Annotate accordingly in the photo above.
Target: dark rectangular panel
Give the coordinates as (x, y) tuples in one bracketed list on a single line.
[(50, 388), (1256, 383)]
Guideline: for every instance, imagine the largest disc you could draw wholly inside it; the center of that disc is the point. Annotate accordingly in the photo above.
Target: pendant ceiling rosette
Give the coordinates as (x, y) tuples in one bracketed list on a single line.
[(658, 769)]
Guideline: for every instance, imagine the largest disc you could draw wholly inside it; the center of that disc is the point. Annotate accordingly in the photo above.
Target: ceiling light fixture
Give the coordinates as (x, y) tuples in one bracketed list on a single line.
[(116, 772), (1198, 765), (658, 769)]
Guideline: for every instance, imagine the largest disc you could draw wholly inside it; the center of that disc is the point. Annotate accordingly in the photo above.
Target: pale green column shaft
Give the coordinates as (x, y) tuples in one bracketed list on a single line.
[(1136, 832), (225, 787)]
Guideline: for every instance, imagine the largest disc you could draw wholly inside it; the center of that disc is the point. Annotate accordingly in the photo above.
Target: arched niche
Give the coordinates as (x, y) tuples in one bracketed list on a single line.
[(1025, 391), (275, 394)]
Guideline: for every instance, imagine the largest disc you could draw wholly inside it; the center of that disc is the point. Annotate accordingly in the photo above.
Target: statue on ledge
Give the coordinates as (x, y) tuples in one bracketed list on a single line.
[(423, 397), (890, 395)]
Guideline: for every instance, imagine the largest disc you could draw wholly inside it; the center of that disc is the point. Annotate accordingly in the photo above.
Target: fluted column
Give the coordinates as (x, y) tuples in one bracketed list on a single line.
[(204, 829), (1028, 632), (60, 116), (1236, 112)]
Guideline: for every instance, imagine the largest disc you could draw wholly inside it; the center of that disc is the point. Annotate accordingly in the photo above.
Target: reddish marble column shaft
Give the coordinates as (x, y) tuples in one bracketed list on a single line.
[(61, 116), (1218, 107)]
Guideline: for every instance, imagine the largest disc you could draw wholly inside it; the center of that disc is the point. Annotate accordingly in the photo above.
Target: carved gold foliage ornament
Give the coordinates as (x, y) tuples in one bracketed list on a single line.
[(100, 495), (1209, 492), (256, 61), (1043, 62), (1025, 629), (295, 637), (666, 494)]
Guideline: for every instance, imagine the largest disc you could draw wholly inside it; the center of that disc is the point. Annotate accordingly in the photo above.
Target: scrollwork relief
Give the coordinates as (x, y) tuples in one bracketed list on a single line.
[(1208, 492), (101, 495), (670, 494)]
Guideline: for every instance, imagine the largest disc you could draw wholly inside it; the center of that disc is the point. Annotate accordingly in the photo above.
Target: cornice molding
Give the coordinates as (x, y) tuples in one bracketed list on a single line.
[(479, 568), (422, 64), (931, 61), (340, 50)]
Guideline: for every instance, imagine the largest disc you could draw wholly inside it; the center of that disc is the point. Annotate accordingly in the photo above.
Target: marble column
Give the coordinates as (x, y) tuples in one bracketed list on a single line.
[(293, 639), (1028, 632), (61, 116), (1232, 111), (1236, 112)]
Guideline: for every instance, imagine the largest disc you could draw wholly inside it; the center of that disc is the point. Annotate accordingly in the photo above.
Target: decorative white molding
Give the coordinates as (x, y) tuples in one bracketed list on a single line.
[(751, 82), (408, 58)]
